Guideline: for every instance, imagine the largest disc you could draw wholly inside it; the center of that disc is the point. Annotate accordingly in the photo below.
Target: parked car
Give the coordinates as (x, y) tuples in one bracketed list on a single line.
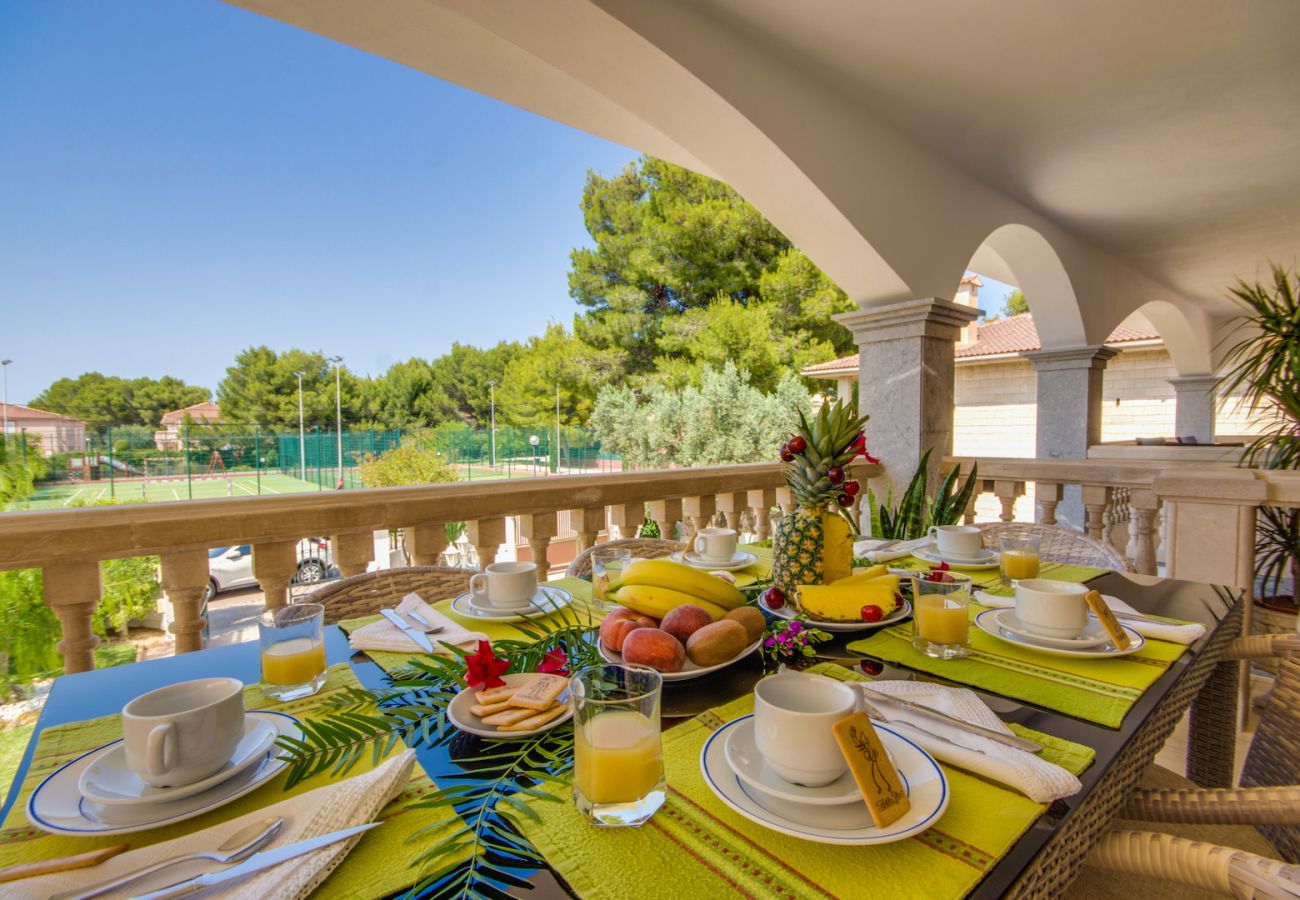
[(232, 567)]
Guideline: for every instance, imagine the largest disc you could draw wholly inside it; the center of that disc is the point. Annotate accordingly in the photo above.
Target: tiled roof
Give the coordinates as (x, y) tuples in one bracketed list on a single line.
[(199, 412), (1016, 334), (16, 411)]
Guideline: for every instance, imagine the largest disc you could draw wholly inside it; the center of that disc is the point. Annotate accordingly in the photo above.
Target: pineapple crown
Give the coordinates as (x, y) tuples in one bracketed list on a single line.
[(817, 453)]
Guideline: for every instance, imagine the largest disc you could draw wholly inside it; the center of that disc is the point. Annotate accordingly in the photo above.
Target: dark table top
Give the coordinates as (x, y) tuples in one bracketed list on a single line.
[(92, 694)]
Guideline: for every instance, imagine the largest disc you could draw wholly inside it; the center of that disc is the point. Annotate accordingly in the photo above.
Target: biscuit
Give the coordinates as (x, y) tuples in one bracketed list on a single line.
[(540, 692), (508, 716), (487, 709), (494, 695), (537, 720)]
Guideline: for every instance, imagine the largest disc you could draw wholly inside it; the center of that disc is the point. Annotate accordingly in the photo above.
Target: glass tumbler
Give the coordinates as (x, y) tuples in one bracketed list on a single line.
[(941, 616), (293, 650), (1019, 556), (618, 766), (607, 566)]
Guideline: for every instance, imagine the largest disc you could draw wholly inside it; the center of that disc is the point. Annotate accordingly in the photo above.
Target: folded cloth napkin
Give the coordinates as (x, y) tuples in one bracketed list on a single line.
[(1161, 631), (333, 807), (384, 635), (1037, 779), (874, 550)]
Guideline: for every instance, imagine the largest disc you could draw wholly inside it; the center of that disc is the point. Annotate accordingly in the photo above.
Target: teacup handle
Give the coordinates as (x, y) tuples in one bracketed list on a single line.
[(933, 533), (478, 584), (160, 749), (699, 544)]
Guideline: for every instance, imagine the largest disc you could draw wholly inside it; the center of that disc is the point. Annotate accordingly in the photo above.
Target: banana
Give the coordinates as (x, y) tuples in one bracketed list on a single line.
[(676, 576), (657, 602)]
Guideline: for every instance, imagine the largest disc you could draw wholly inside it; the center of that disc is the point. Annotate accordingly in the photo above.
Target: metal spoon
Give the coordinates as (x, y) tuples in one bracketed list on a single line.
[(238, 846)]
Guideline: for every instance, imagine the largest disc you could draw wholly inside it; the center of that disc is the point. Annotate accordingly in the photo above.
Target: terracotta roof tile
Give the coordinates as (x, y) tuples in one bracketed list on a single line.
[(199, 412), (18, 411)]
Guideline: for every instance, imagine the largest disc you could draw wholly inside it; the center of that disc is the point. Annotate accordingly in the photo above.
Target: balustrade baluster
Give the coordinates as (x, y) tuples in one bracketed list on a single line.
[(1096, 497), (427, 541), (542, 527), (487, 536), (761, 502), (184, 579), (1048, 494), (353, 551), (73, 590), (666, 514), (1145, 506), (628, 517), (698, 510), (1007, 493), (730, 505), (274, 565)]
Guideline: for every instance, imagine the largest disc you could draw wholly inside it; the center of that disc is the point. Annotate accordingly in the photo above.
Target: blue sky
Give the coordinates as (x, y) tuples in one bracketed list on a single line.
[(179, 180)]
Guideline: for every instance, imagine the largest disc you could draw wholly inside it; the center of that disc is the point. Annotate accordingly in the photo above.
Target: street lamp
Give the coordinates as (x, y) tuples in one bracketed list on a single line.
[(302, 433), (4, 375), (492, 392), (338, 413)]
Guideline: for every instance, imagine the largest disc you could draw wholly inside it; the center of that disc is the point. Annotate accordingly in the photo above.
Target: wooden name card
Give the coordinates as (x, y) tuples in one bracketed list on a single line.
[(875, 774)]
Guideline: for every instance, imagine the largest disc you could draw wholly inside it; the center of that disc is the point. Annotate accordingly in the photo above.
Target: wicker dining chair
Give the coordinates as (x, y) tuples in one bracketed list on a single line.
[(1208, 842), (645, 548), (1060, 545), (368, 593)]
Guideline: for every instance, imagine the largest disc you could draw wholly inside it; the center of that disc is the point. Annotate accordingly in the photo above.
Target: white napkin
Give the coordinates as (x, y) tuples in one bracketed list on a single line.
[(1037, 779), (322, 811), (1178, 634), (867, 548), (384, 635)]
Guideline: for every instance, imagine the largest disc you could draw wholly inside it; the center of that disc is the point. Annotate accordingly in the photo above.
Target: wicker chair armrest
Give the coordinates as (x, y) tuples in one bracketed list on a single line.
[(1208, 866), (1240, 806), (1262, 646)]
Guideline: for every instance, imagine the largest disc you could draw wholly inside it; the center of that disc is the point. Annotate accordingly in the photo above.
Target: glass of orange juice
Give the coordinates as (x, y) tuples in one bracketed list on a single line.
[(293, 650), (618, 764), (941, 616), (1019, 556)]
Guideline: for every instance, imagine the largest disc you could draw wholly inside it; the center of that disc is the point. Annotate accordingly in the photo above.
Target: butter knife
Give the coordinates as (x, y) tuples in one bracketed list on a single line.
[(409, 630), (1009, 740)]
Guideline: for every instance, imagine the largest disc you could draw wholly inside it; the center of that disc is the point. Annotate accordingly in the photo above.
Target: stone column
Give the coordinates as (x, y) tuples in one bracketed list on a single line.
[(1069, 411), (1194, 413), (184, 579), (72, 590), (905, 379)]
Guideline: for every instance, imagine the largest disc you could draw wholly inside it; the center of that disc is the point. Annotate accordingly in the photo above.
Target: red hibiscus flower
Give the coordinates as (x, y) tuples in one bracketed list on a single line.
[(939, 573), (869, 458), (483, 669), (554, 663)]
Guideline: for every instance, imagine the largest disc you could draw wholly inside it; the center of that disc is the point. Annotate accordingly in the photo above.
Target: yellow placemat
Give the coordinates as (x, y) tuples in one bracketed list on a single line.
[(696, 846), (377, 867)]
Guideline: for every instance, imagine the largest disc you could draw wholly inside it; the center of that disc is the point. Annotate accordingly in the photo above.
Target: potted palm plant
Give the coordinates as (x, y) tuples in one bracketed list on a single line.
[(1263, 366)]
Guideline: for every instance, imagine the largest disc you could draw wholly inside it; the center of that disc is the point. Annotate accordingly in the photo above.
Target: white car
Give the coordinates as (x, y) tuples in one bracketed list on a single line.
[(232, 567)]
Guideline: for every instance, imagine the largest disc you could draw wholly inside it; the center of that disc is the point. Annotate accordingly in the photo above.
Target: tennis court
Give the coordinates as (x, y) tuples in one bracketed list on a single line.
[(240, 484)]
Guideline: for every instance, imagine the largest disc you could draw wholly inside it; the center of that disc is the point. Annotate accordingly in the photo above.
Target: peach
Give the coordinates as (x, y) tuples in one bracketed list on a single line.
[(683, 621), (617, 625), (655, 648)]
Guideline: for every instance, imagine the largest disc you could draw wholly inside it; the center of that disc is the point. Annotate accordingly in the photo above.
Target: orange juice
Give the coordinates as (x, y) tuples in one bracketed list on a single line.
[(941, 620), (295, 661), (617, 757), (1018, 564)]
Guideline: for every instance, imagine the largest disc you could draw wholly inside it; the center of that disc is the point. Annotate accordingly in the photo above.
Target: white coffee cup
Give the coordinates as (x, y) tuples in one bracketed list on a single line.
[(716, 544), (184, 732), (505, 585), (956, 540), (793, 715), (1053, 609)]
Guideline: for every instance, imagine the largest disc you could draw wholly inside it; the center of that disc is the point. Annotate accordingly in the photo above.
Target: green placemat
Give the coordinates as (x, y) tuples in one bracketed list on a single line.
[(696, 846), (1098, 690), (377, 867)]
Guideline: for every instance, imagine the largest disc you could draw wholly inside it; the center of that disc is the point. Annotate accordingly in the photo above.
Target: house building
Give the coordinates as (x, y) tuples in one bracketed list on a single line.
[(55, 432), (168, 437)]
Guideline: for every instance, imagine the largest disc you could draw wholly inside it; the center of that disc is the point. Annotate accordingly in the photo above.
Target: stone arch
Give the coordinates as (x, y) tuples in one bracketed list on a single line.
[(1187, 339), (1020, 255)]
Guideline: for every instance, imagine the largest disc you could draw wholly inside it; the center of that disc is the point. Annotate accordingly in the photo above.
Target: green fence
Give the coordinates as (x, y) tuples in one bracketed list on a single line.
[(513, 452)]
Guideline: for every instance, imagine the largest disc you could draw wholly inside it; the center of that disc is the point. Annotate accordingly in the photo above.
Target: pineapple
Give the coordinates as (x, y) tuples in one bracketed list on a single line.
[(814, 544)]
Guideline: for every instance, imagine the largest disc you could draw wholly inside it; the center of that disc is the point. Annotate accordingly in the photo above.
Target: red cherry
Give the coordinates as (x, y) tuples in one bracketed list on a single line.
[(835, 474), (872, 613), (774, 598), (844, 500), (871, 667), (851, 488), (797, 444), (786, 455)]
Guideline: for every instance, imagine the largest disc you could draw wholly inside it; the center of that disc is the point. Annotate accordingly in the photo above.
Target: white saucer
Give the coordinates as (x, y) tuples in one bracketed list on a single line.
[(110, 781), (57, 806), (458, 713), (742, 755), (739, 561), (986, 560), (552, 599), (903, 610), (1093, 634), (927, 789), (987, 622), (689, 671)]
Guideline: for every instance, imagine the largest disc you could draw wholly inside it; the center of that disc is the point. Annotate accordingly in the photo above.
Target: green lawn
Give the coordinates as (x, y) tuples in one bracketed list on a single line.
[(240, 484), (13, 741)]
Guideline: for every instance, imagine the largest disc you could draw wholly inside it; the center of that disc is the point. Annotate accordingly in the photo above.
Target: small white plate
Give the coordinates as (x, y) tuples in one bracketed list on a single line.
[(741, 560), (555, 598), (458, 712), (57, 806), (926, 785), (987, 622), (1093, 634), (987, 560), (745, 760), (110, 781), (689, 671), (538, 599), (788, 611)]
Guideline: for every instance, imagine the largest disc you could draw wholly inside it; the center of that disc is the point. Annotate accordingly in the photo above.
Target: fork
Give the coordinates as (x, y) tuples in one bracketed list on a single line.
[(423, 624)]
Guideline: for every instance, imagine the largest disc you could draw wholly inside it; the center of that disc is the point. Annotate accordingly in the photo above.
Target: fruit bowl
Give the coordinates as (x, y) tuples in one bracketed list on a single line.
[(688, 671), (903, 610)]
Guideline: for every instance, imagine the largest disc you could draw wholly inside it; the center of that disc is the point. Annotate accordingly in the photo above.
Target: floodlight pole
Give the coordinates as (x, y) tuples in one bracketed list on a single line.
[(302, 434), (338, 412), (492, 393), (4, 375)]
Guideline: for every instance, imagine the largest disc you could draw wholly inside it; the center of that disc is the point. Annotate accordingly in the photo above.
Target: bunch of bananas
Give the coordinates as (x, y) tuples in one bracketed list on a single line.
[(654, 586)]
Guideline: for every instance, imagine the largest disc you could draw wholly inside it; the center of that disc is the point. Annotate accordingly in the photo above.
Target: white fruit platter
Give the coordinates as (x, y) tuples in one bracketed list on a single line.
[(786, 611), (689, 670)]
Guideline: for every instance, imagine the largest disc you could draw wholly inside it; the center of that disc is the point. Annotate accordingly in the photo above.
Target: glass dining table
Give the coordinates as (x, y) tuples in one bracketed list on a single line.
[(1042, 860)]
